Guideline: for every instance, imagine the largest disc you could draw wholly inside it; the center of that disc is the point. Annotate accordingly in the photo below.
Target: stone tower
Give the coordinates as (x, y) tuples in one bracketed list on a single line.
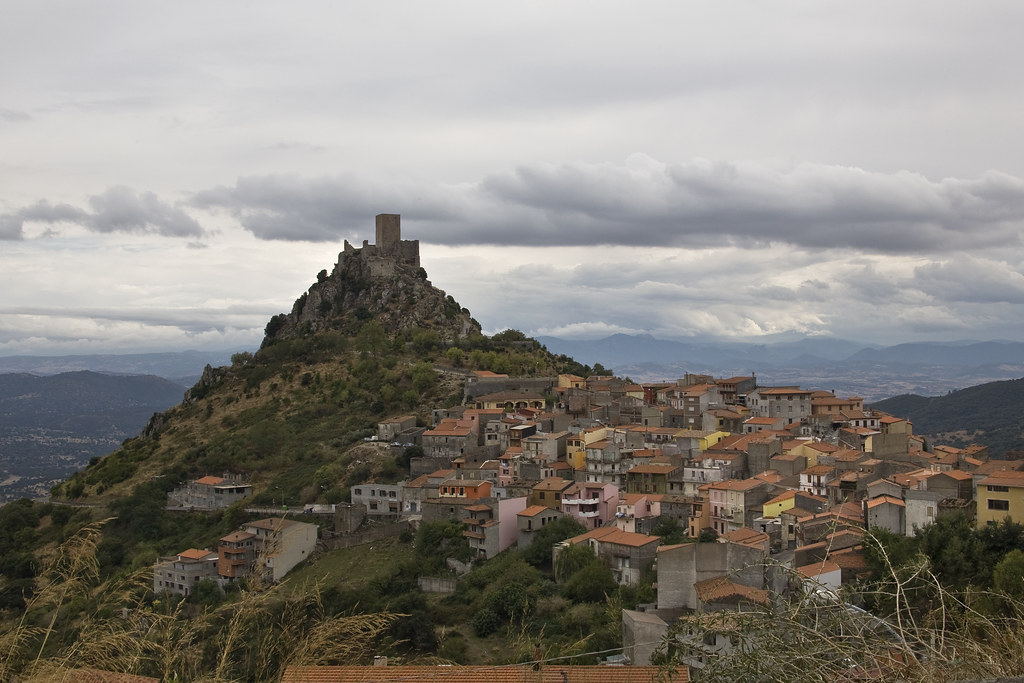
[(389, 233)]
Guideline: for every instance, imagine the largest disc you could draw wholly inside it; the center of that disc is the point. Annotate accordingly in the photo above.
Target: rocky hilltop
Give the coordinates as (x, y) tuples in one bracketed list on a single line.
[(382, 281)]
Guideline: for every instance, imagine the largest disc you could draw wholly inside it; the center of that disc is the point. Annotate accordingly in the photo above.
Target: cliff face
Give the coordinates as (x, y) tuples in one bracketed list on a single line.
[(366, 284)]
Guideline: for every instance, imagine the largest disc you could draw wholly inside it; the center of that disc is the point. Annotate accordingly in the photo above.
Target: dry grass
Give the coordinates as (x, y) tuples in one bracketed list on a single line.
[(931, 633), (251, 638)]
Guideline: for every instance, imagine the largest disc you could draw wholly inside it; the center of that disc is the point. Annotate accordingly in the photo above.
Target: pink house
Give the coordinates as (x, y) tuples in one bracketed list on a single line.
[(592, 504)]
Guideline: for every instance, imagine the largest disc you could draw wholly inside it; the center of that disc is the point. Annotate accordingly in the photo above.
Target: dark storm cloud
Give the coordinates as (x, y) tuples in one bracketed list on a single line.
[(317, 210), (697, 204), (701, 203), (12, 225), (119, 209)]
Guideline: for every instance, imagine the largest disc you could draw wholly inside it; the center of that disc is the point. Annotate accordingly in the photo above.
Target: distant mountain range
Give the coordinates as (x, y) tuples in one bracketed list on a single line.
[(847, 367), (51, 426), (182, 367)]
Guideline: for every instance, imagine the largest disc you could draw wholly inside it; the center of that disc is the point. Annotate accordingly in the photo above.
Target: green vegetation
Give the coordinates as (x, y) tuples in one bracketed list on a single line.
[(988, 414)]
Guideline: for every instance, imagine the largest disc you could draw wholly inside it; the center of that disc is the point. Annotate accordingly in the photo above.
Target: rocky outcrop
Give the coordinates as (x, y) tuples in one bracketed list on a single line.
[(367, 284)]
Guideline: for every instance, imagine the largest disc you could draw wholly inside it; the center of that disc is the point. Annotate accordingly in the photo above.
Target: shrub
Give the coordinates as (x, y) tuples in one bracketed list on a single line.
[(485, 622)]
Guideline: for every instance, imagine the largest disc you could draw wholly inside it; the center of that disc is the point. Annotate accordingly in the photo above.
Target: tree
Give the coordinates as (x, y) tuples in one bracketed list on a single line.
[(571, 559), (669, 531), (953, 549), (539, 551), (592, 583), (1008, 575), (241, 358), (405, 459)]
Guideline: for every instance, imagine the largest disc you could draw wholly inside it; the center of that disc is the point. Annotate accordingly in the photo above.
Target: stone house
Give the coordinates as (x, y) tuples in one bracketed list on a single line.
[(390, 429), (532, 519), (650, 478), (379, 499), (210, 493), (180, 574), (628, 555), (493, 526)]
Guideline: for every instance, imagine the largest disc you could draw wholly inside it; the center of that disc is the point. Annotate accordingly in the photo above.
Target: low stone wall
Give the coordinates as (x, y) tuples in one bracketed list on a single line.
[(337, 542), (436, 584)]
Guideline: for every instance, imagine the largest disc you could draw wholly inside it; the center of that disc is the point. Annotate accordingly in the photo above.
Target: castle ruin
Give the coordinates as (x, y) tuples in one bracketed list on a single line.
[(390, 245)]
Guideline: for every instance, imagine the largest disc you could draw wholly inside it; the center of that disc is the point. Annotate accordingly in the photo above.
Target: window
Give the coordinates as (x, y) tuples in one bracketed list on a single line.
[(999, 505), (998, 489)]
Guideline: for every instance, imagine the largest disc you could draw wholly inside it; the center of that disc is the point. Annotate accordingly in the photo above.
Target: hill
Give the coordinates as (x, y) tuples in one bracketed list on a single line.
[(181, 367), (52, 426), (991, 414), (369, 340)]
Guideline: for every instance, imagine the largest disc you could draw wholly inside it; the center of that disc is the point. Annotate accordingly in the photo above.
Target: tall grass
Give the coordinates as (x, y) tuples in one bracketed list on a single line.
[(920, 631), (72, 621)]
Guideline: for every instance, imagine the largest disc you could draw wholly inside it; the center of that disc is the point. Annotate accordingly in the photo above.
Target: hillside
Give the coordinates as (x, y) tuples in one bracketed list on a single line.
[(52, 426), (370, 340), (991, 414)]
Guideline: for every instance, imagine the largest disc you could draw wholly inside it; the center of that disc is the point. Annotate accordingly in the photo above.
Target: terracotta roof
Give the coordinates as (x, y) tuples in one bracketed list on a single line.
[(634, 498), (720, 588), (549, 673), (736, 484), (875, 502), (271, 523), (553, 484), (195, 554), (745, 536), (533, 511), (611, 534), (816, 569), (998, 466), (1004, 478), (785, 495), (653, 468), (211, 481)]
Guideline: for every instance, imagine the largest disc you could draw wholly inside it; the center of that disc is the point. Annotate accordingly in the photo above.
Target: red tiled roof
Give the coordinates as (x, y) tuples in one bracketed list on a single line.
[(875, 502), (720, 588), (1004, 478), (212, 481)]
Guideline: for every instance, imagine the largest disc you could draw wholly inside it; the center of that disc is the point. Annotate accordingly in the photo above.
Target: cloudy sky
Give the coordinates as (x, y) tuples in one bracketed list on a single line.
[(171, 175)]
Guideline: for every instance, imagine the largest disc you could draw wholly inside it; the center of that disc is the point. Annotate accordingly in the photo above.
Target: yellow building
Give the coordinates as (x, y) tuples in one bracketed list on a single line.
[(576, 446), (1001, 495)]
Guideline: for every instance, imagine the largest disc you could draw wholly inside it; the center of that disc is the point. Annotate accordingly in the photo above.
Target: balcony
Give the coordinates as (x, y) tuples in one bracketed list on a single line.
[(595, 513), (581, 501)]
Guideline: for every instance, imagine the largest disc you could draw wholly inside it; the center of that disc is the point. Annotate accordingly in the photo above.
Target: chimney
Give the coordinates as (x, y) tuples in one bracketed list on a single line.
[(380, 660)]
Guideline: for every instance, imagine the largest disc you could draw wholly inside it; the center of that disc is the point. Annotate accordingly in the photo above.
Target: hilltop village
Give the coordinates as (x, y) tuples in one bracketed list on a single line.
[(760, 483), (784, 473)]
